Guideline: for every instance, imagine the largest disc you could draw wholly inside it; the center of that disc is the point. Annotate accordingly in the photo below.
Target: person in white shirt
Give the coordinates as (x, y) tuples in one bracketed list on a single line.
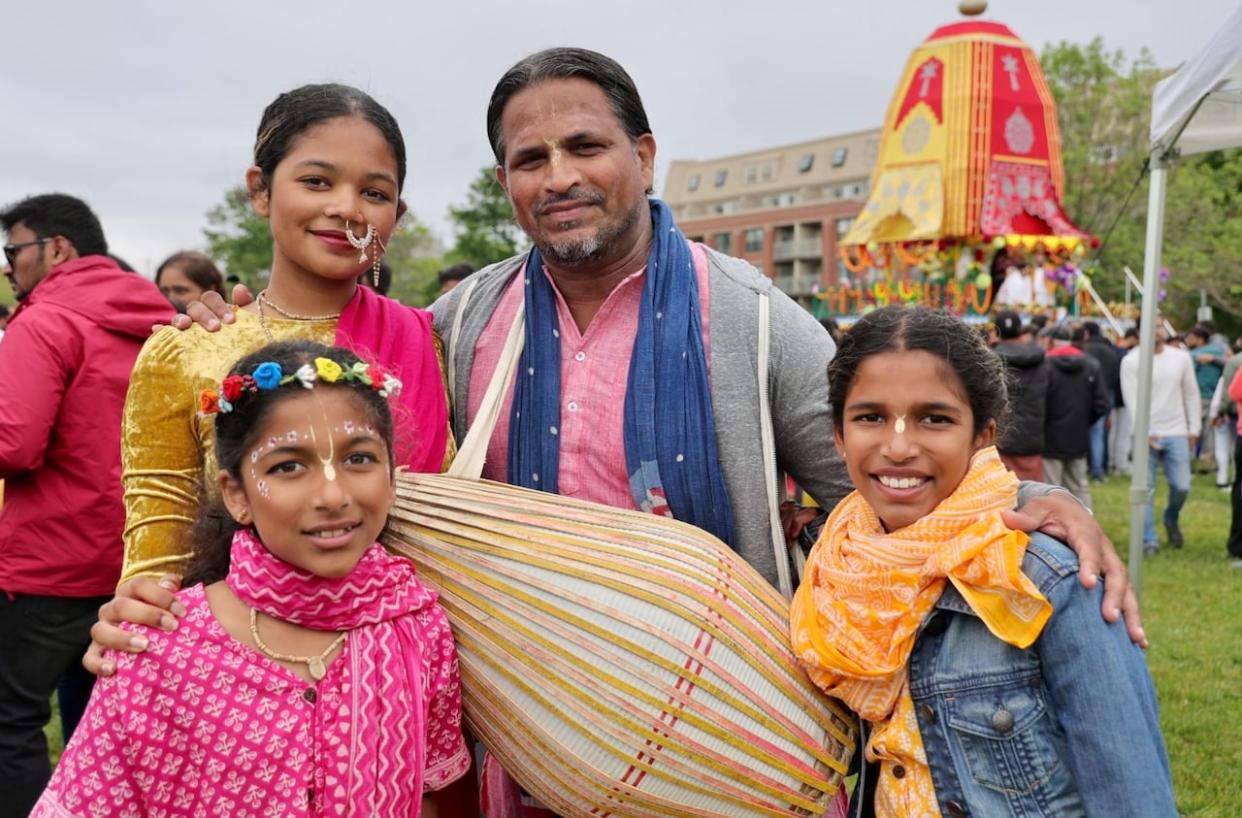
[(1175, 425)]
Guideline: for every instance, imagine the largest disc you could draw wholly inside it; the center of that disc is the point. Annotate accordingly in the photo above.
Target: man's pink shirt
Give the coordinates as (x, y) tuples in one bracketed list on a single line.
[(595, 368)]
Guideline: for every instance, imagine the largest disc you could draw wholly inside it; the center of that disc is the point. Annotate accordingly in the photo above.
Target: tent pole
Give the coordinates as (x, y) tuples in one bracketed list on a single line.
[(1147, 339), (1104, 310)]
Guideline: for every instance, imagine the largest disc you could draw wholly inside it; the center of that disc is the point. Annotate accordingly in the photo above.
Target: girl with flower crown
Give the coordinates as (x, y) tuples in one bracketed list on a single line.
[(329, 164), (312, 673), (987, 681)]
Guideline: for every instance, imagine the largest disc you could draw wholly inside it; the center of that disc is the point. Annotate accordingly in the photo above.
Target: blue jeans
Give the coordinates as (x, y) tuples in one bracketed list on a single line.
[(1174, 454), (1099, 441), (1095, 455)]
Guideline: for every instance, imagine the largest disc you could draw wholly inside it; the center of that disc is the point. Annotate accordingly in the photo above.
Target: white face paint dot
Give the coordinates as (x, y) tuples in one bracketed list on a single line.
[(680, 457)]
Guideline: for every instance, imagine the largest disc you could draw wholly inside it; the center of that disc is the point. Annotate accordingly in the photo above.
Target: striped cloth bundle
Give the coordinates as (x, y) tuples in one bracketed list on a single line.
[(618, 663)]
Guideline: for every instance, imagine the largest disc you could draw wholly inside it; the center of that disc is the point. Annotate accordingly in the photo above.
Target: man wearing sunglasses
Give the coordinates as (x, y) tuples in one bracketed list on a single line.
[(64, 370)]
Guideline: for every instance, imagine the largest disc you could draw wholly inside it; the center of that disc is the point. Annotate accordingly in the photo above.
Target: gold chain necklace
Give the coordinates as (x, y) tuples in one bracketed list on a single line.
[(292, 316), (314, 664)]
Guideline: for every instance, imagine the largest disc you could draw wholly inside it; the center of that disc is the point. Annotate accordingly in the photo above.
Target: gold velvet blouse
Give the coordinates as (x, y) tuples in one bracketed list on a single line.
[(168, 448)]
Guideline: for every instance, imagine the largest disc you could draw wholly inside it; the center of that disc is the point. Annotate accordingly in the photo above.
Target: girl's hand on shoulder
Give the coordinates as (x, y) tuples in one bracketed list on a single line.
[(141, 601), (212, 311), (1059, 515)]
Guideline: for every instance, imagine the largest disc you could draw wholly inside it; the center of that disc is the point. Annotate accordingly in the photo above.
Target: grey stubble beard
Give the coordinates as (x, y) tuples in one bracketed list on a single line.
[(578, 252)]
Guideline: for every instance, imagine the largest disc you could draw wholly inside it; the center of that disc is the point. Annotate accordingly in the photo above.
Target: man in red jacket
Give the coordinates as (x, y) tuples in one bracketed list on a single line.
[(64, 371)]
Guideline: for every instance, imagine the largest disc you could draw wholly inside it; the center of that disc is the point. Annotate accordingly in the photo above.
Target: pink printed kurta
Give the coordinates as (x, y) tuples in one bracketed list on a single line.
[(595, 369), (202, 725)]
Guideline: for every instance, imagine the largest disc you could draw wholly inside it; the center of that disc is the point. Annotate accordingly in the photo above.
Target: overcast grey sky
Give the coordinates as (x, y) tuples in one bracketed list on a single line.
[(148, 109)]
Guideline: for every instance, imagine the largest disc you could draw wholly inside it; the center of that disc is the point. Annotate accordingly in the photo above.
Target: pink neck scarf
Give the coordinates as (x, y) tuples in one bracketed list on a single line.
[(383, 331), (373, 602)]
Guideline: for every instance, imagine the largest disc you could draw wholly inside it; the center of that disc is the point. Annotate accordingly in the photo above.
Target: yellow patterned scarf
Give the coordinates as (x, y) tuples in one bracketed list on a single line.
[(866, 592)]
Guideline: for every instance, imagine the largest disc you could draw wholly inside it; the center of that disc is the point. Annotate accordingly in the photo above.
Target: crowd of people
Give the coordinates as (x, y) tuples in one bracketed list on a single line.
[(234, 472), (1072, 401)]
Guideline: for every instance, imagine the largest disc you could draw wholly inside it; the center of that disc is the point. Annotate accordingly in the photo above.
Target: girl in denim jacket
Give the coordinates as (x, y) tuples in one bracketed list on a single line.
[(988, 682)]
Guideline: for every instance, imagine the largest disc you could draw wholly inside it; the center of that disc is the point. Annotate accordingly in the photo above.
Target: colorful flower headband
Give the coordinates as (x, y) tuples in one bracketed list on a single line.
[(269, 375)]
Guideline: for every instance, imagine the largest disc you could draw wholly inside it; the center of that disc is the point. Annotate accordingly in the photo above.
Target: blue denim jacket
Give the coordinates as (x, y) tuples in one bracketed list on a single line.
[(1067, 727)]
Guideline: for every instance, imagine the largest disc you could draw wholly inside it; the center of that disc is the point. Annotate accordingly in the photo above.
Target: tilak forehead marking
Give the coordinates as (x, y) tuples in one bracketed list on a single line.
[(554, 149), (329, 469)]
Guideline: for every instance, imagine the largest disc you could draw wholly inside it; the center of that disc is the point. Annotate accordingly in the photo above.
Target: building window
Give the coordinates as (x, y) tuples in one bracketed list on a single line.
[(767, 170), (838, 157), (754, 240), (843, 227), (721, 175), (806, 163), (723, 242), (781, 200), (693, 184)]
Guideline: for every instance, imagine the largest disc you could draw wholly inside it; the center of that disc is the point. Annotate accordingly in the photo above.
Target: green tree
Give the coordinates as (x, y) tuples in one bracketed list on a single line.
[(1203, 237), (411, 253), (238, 239), (484, 225), (1103, 101), (1104, 109)]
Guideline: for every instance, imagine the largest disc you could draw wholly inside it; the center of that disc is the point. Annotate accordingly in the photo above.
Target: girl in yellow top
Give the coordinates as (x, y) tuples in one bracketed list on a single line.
[(329, 165), (988, 682)]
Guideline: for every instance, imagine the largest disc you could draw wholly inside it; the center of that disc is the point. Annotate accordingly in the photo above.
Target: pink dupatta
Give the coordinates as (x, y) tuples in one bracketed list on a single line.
[(383, 331), (383, 607)]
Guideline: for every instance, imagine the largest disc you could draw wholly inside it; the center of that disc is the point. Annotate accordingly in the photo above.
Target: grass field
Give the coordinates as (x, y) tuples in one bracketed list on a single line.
[(1192, 610)]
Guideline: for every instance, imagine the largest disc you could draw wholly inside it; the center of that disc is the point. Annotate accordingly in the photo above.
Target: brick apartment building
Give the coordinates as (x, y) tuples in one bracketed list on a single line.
[(782, 208)]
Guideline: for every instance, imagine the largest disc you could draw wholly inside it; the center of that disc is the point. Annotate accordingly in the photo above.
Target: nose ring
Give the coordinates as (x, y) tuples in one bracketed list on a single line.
[(361, 244)]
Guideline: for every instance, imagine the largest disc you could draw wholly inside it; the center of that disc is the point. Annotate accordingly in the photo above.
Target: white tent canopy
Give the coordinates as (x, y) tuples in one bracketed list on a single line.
[(1198, 108)]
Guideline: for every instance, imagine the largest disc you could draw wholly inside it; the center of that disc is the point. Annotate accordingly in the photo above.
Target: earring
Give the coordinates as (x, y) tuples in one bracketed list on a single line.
[(361, 244)]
